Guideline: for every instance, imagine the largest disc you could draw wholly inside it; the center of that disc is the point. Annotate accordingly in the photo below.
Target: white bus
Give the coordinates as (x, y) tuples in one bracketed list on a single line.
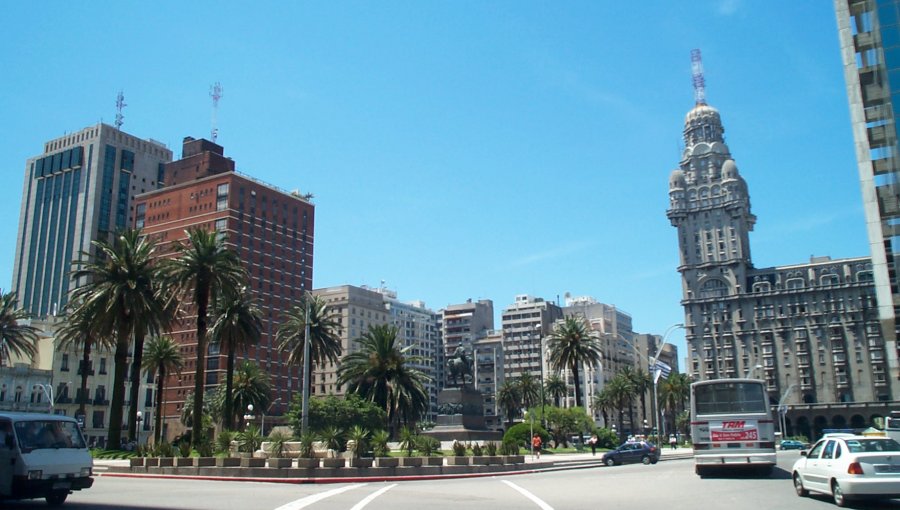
[(732, 425)]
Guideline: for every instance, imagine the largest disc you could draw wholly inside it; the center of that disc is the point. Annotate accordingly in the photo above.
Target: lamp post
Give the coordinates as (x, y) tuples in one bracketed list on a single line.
[(615, 433), (47, 389), (751, 371), (647, 430), (263, 424), (660, 430), (531, 435), (138, 419), (249, 416), (783, 408)]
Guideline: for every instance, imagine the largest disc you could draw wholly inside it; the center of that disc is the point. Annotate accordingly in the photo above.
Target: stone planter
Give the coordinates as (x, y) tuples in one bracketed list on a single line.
[(333, 462), (166, 461), (136, 462), (480, 460), (494, 460), (228, 462), (513, 459), (433, 461), (280, 462), (364, 462), (387, 461), (183, 461), (458, 461), (303, 462), (252, 462), (151, 461), (411, 461), (204, 461)]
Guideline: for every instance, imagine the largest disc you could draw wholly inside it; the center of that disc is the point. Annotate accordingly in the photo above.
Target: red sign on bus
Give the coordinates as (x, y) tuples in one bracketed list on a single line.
[(734, 430)]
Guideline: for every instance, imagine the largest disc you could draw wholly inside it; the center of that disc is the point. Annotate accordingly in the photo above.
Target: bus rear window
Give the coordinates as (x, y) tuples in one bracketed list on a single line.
[(731, 398)]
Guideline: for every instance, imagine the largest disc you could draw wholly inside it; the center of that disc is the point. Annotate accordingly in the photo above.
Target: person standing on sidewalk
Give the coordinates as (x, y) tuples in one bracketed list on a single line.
[(593, 442), (673, 441), (536, 445)]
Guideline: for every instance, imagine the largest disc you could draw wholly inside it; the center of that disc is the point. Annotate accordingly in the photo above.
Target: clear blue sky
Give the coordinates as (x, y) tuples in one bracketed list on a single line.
[(465, 149)]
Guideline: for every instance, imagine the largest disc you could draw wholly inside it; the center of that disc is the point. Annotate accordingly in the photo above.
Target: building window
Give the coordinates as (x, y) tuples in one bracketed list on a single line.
[(64, 366), (794, 283)]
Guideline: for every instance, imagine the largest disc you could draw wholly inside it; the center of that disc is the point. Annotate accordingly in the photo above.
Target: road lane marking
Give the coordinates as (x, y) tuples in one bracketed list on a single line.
[(368, 499), (308, 500), (537, 501)]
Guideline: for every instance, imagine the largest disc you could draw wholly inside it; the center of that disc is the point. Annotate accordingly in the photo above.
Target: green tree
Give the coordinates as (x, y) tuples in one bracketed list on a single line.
[(643, 383), (674, 392), (379, 371), (252, 386), (620, 391), (202, 269), (603, 402), (15, 335), (629, 374), (237, 325), (212, 408), (337, 411), (573, 344), (78, 332), (529, 390), (521, 434), (162, 356), (127, 302), (556, 389), (509, 400), (563, 422)]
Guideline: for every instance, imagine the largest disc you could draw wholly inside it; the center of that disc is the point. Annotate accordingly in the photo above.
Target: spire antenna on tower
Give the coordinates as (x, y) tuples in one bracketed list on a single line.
[(120, 105), (215, 92), (697, 74)]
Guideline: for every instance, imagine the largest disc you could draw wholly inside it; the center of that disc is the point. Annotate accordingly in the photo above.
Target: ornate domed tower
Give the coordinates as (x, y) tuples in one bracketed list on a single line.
[(710, 207)]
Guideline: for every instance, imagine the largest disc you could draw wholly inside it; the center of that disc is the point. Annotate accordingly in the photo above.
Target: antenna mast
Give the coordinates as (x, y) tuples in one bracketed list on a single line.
[(699, 82), (215, 92), (120, 105)]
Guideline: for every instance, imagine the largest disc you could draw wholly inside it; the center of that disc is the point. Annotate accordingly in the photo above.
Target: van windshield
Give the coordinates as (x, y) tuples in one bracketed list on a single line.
[(38, 434)]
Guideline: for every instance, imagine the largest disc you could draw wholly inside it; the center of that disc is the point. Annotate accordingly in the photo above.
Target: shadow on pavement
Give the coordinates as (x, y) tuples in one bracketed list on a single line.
[(40, 503), (746, 472)]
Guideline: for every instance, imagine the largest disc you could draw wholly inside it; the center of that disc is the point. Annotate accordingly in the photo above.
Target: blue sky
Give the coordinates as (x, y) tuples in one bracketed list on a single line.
[(466, 149)]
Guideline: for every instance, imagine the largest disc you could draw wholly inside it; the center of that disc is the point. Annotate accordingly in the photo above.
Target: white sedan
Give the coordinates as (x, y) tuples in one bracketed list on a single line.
[(850, 467)]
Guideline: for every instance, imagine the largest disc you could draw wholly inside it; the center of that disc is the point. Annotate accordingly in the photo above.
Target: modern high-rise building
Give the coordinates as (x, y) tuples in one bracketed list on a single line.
[(272, 231), (80, 189), (810, 331), (489, 377), (462, 324), (526, 325), (869, 32)]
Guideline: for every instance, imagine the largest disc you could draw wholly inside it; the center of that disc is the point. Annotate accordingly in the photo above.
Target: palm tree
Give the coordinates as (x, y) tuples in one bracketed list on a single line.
[(629, 374), (529, 391), (78, 332), (572, 345), (620, 392), (324, 342), (673, 392), (126, 302), (252, 386), (379, 371), (162, 356), (237, 326), (603, 403), (556, 388), (643, 383), (508, 400), (202, 269), (15, 337)]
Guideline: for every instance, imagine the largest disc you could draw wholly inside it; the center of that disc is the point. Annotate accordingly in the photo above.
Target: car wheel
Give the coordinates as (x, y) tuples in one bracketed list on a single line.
[(645, 460), (57, 498), (610, 462), (798, 486), (838, 493)]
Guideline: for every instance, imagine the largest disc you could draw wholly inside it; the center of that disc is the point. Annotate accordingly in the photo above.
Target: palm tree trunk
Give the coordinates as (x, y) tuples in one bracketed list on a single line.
[(160, 387), (228, 412), (114, 437), (577, 384), (85, 363), (200, 374), (135, 383)]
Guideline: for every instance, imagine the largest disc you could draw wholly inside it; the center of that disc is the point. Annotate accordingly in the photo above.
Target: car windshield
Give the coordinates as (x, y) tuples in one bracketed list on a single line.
[(38, 434), (873, 445)]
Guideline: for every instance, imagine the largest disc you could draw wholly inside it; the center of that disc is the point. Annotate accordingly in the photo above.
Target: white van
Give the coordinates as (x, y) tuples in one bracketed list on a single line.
[(42, 456)]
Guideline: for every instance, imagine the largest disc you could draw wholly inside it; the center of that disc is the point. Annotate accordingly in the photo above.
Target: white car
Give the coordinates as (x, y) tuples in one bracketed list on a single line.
[(850, 467)]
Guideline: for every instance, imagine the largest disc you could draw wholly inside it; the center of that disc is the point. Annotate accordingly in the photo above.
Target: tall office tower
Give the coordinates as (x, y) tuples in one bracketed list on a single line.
[(489, 377), (811, 331), (271, 230), (869, 33), (526, 325), (80, 189), (464, 323)]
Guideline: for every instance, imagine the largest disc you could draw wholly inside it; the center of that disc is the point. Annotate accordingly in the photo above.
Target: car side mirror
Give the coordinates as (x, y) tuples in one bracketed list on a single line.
[(803, 453)]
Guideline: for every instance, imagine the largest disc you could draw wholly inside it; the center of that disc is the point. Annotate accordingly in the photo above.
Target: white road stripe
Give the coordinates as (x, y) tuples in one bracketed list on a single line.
[(537, 501), (368, 499), (308, 500)]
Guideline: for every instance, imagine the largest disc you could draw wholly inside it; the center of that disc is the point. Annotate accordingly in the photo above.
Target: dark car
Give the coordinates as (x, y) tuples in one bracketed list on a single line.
[(636, 451), (791, 444)]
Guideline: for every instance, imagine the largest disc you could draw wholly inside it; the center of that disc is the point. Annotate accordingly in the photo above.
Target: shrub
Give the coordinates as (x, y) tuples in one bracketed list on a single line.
[(277, 442), (359, 436), (408, 438), (249, 440), (521, 434), (164, 449), (476, 449), (490, 448), (606, 438), (510, 447), (223, 442), (307, 443), (427, 445), (459, 449), (380, 446), (184, 449), (333, 438)]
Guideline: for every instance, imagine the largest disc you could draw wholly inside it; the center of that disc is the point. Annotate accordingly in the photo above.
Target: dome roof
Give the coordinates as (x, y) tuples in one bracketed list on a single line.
[(676, 180), (730, 171), (699, 111)]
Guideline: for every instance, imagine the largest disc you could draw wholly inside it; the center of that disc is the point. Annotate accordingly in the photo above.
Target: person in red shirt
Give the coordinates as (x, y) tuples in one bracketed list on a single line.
[(536, 445)]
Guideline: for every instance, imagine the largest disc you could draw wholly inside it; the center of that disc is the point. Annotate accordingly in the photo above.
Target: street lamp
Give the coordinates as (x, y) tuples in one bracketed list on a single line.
[(660, 431), (783, 409), (263, 424), (249, 416), (647, 429), (751, 371), (139, 419), (531, 435)]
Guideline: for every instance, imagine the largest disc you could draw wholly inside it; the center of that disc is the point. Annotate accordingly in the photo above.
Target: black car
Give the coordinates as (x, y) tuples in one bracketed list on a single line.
[(635, 451)]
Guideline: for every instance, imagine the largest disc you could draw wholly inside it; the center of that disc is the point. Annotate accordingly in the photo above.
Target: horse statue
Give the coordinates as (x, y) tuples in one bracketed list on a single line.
[(459, 366)]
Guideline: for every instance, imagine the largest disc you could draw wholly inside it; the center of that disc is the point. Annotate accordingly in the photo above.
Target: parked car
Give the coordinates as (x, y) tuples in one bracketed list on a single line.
[(849, 468), (792, 444), (634, 451)]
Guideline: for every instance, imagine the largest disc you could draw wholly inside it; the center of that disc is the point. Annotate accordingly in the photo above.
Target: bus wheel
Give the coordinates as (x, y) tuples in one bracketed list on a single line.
[(798, 486)]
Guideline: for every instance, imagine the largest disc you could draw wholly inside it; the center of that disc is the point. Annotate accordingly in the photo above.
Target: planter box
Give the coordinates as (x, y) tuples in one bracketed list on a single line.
[(307, 463), (280, 462), (494, 460), (480, 460), (365, 462), (166, 461), (228, 462), (151, 461), (204, 461), (433, 461), (458, 461), (136, 462), (333, 462), (387, 461), (183, 461), (251, 462), (411, 461), (513, 459)]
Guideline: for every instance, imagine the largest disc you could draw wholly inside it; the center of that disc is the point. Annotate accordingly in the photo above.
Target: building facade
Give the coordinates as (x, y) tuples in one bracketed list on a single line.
[(810, 331), (272, 231), (869, 33), (489, 376), (80, 189), (463, 324), (526, 325)]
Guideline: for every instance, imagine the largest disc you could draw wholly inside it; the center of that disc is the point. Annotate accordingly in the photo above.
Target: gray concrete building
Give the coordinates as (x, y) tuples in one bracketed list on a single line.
[(489, 376), (462, 324), (526, 325), (81, 188), (810, 330)]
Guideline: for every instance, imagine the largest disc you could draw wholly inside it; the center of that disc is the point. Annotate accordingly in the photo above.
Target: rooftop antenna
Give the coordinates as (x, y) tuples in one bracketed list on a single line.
[(120, 105), (215, 92), (697, 72)]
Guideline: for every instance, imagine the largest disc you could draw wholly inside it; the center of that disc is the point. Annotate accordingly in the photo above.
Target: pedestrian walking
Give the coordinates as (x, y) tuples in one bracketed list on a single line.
[(673, 441), (593, 442), (536, 445)]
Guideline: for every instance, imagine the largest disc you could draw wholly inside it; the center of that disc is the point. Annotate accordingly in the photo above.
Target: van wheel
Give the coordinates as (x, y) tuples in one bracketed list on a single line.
[(645, 460), (610, 462), (57, 498)]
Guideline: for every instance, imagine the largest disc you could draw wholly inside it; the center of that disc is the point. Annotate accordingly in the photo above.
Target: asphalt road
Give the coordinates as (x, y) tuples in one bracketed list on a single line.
[(670, 485)]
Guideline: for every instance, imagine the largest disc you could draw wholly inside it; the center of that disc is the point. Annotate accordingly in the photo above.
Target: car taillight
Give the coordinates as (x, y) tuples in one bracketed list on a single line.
[(854, 469)]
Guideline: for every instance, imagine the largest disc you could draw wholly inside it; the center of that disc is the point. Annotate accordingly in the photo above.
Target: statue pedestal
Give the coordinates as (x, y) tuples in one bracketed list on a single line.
[(461, 417)]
